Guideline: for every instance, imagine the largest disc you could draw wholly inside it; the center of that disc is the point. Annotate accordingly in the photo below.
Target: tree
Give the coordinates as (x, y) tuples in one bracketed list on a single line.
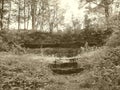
[(87, 22), (102, 4), (19, 11), (75, 25), (28, 9), (48, 16), (33, 13), (1, 12), (106, 4), (24, 15), (42, 14), (9, 16), (55, 15)]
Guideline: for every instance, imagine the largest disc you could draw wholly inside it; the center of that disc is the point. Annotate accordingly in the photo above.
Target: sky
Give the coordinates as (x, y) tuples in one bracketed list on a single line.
[(71, 7)]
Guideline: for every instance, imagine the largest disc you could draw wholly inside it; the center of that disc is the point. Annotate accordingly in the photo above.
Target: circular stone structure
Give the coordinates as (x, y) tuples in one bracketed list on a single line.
[(69, 67)]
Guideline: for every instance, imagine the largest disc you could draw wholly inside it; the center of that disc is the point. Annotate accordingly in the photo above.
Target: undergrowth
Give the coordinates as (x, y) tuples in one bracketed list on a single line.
[(105, 75), (19, 74)]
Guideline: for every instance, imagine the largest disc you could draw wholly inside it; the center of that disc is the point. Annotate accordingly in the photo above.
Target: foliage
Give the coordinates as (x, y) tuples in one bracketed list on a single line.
[(13, 40), (10, 42), (108, 71), (105, 73), (114, 40), (16, 73), (93, 37), (102, 72)]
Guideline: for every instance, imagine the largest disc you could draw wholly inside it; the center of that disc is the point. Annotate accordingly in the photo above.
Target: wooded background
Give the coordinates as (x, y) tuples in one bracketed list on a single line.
[(48, 28)]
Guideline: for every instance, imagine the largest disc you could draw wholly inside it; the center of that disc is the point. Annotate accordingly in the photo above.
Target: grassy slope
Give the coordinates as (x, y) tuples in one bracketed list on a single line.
[(31, 70)]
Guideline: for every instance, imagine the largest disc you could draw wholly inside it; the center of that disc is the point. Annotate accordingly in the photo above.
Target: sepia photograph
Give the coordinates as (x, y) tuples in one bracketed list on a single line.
[(59, 44)]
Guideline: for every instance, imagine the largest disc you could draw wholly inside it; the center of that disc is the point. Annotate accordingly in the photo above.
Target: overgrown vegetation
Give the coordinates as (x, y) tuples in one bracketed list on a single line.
[(25, 54), (11, 42), (17, 73), (26, 73), (105, 66), (35, 39)]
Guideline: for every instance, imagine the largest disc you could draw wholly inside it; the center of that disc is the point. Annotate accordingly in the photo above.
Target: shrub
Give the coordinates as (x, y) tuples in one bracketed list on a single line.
[(106, 74), (114, 40), (11, 41), (19, 74)]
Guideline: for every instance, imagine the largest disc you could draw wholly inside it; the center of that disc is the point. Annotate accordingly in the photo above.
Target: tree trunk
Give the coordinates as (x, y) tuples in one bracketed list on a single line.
[(106, 8), (42, 20), (87, 22), (107, 16), (33, 14), (119, 21), (19, 16), (28, 17), (8, 25), (24, 16), (2, 9), (51, 27)]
